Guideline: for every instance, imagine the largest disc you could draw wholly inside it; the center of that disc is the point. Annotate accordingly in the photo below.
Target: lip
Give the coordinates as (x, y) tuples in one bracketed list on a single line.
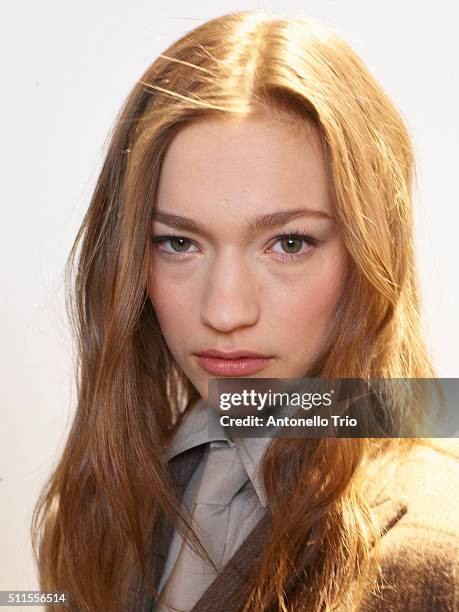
[(233, 354), (238, 362)]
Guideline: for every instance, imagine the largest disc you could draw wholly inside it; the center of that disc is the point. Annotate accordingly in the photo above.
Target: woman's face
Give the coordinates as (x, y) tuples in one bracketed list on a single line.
[(223, 273)]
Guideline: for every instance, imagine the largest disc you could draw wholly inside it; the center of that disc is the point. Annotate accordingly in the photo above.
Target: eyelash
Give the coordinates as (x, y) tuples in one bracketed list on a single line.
[(291, 234)]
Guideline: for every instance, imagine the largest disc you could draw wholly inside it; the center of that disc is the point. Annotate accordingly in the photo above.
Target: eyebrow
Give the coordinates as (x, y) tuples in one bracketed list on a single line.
[(254, 224)]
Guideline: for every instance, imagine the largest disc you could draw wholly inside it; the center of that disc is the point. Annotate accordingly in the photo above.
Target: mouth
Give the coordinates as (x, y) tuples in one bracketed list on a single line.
[(238, 362)]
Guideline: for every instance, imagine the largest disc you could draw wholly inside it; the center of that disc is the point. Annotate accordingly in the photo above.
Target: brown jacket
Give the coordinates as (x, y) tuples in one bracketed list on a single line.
[(417, 510)]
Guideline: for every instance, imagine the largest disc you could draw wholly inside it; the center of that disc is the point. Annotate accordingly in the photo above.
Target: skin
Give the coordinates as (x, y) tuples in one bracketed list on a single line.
[(231, 288)]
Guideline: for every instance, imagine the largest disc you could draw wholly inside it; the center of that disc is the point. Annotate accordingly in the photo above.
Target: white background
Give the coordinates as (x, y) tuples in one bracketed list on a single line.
[(66, 68)]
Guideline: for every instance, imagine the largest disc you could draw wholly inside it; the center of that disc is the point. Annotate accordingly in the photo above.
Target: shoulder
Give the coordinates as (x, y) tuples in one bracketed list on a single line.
[(426, 481), (420, 549)]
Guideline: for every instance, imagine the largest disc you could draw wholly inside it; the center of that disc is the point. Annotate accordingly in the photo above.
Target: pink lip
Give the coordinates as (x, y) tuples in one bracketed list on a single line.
[(232, 363)]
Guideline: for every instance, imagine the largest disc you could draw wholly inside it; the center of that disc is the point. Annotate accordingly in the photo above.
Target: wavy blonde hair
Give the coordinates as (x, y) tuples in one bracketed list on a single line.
[(93, 521)]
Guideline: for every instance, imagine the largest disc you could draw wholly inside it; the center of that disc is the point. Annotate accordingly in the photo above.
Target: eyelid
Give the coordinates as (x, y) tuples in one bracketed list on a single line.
[(168, 238), (287, 233), (298, 233)]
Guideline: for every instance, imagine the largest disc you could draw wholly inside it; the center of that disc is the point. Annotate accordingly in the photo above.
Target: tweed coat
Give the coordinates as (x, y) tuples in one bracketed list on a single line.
[(416, 506)]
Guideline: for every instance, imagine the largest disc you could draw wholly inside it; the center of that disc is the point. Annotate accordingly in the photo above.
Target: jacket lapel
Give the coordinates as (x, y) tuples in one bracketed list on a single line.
[(386, 513), (230, 588)]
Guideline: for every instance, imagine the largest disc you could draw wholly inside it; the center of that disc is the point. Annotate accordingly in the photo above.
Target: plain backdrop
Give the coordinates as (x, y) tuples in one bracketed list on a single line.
[(66, 68)]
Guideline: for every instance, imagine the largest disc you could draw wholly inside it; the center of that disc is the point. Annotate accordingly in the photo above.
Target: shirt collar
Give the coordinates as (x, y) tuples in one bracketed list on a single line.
[(201, 424)]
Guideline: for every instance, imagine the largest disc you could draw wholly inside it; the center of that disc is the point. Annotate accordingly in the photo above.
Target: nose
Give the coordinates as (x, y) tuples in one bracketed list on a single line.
[(231, 295)]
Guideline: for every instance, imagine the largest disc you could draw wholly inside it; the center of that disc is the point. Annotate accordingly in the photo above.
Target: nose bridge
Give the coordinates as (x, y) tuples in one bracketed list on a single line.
[(231, 296)]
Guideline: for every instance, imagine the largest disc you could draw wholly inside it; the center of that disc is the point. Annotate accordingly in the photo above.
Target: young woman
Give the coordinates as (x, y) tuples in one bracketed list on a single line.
[(252, 217)]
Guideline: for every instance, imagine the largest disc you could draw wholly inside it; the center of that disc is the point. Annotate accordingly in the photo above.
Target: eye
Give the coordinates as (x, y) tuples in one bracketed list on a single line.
[(294, 245), (178, 244)]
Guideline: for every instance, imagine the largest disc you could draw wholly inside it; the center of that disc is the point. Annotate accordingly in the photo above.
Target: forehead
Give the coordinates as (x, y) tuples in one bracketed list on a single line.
[(253, 164)]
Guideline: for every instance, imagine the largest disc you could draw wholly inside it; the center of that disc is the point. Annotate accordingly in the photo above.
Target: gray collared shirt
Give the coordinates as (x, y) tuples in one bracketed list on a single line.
[(201, 426)]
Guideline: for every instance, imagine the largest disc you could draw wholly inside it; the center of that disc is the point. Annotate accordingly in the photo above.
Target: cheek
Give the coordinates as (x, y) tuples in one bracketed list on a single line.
[(168, 302), (174, 303), (310, 304)]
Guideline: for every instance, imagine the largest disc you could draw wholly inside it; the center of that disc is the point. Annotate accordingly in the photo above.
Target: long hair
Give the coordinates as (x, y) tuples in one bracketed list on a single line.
[(92, 523)]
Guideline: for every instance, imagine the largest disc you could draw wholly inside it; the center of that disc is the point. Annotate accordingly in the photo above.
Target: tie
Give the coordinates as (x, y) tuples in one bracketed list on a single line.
[(222, 478)]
